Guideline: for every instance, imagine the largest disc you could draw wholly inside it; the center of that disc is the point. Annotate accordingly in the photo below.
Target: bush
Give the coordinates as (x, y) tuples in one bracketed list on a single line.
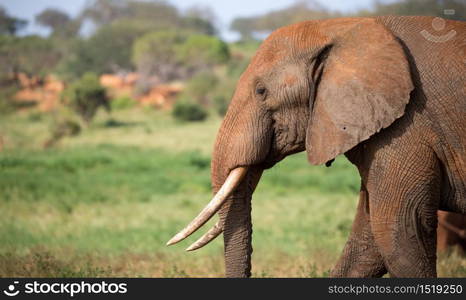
[(154, 54), (236, 66), (177, 55), (60, 130), (221, 105), (202, 51), (200, 87), (7, 104), (189, 111), (198, 160), (86, 96), (122, 103), (222, 94)]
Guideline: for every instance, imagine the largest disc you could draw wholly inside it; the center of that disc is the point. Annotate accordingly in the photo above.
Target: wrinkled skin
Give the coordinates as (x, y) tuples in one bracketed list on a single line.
[(376, 90)]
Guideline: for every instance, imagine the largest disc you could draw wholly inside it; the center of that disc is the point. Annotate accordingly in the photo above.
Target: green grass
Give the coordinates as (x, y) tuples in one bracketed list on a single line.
[(104, 203)]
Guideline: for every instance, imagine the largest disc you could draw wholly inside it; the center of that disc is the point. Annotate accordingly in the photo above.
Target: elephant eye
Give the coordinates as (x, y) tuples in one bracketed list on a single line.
[(261, 91)]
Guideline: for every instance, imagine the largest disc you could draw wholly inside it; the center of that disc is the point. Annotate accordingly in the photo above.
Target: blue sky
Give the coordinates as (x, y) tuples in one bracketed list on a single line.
[(225, 10)]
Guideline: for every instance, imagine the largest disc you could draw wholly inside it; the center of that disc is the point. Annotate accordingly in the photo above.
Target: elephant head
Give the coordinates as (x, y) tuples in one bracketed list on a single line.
[(319, 86)]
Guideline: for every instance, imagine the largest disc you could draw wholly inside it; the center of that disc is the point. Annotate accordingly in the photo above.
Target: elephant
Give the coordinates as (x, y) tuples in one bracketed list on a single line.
[(389, 93)]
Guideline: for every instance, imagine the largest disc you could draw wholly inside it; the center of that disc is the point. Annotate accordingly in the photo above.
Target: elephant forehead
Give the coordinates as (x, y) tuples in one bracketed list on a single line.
[(289, 79), (271, 53), (265, 59), (290, 75)]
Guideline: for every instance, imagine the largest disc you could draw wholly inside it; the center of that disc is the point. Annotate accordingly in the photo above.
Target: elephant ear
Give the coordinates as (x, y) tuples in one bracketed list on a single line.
[(363, 85)]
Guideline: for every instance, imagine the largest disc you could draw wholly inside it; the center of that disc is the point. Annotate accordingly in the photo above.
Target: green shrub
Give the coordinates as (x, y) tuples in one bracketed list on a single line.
[(236, 66), (222, 95), (189, 111), (198, 160), (122, 103), (35, 116), (221, 104), (7, 105), (161, 45), (202, 50), (86, 96), (60, 130), (200, 87)]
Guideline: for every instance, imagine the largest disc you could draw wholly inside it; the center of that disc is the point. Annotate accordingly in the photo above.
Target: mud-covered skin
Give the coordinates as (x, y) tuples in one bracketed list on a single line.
[(415, 166), (377, 90)]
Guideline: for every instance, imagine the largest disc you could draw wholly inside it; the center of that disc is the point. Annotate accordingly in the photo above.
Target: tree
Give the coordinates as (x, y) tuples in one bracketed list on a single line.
[(245, 27), (8, 64), (32, 55), (104, 12), (10, 25), (200, 88), (86, 96), (119, 24), (154, 54), (169, 55), (300, 11), (201, 52), (159, 15), (60, 23), (53, 18), (421, 7), (200, 19), (107, 51), (111, 45), (189, 111)]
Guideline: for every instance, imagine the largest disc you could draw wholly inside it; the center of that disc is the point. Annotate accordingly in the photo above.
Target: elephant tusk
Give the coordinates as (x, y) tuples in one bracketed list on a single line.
[(233, 180), (207, 237)]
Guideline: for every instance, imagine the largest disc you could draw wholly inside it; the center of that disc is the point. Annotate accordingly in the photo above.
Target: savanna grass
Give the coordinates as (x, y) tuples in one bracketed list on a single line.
[(104, 203)]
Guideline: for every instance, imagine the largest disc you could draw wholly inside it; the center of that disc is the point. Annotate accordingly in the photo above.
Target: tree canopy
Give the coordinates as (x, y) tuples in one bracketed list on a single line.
[(158, 40), (32, 55), (157, 14), (10, 25), (438, 8), (53, 18), (118, 24), (169, 55), (249, 27)]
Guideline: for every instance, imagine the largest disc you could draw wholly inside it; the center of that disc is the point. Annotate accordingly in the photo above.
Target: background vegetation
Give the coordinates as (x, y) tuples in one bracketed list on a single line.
[(86, 191)]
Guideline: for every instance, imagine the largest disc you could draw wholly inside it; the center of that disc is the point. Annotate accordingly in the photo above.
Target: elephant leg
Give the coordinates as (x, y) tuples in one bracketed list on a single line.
[(404, 197), (360, 257)]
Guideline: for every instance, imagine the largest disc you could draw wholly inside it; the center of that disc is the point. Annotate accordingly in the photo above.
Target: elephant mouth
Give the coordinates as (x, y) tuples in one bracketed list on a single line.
[(280, 150), (271, 161), (275, 155)]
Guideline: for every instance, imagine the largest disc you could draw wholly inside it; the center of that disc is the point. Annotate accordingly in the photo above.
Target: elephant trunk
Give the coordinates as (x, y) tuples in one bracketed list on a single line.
[(233, 202), (237, 235), (243, 140), (242, 143), (235, 215)]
